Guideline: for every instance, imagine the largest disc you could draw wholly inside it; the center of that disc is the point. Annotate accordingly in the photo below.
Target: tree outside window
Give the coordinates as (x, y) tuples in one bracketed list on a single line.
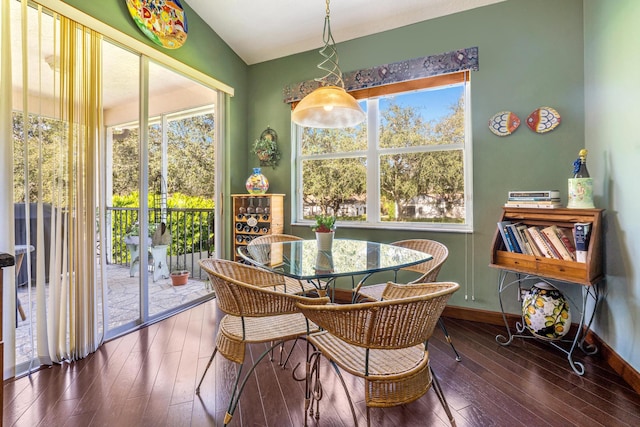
[(413, 151)]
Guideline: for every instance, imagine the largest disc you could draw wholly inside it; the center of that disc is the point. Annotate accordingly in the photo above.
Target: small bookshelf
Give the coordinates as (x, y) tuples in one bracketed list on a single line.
[(526, 267), (585, 273)]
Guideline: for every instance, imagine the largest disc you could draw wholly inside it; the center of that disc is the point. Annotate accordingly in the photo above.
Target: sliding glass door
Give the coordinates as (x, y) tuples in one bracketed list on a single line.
[(161, 160), (149, 177)]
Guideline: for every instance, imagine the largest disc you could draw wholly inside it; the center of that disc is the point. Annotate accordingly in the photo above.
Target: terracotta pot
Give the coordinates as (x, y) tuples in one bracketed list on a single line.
[(179, 278)]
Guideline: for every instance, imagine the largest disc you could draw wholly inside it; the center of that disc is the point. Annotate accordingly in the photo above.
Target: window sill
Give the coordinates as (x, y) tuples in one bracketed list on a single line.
[(420, 227)]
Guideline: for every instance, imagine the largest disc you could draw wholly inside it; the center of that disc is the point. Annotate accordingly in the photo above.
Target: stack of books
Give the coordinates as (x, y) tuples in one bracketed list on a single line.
[(569, 244), (546, 199)]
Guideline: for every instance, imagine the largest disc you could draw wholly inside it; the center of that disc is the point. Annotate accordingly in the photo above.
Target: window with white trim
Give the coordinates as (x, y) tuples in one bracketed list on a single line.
[(407, 166)]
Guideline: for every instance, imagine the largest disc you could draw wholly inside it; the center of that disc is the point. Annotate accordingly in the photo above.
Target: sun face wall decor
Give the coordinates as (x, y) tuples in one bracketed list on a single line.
[(163, 21)]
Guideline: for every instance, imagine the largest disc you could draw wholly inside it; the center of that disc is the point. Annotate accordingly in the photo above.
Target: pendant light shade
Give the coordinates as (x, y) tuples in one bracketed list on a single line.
[(328, 107)]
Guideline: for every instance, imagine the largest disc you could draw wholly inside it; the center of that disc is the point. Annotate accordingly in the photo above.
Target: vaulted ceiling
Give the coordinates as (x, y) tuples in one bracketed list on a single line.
[(261, 30)]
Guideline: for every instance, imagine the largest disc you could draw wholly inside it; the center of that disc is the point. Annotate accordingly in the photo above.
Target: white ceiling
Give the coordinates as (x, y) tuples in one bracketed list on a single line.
[(261, 30)]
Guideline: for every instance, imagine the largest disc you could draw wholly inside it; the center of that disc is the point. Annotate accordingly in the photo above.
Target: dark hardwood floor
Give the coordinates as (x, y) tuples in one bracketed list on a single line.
[(148, 378)]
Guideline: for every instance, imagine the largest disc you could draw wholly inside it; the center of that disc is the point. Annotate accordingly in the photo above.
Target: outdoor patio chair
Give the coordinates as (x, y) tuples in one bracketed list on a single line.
[(383, 342), (254, 314), (428, 273)]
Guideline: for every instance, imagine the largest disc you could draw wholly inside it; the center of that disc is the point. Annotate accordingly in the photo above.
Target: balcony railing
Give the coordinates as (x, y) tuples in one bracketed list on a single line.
[(192, 232)]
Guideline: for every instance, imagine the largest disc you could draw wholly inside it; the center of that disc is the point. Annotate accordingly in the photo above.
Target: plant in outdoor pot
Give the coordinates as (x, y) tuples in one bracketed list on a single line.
[(132, 234), (179, 276), (325, 226)]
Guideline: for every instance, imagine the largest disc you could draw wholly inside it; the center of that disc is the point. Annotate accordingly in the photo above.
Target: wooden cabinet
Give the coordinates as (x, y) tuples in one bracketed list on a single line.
[(587, 273), (526, 268), (256, 215)]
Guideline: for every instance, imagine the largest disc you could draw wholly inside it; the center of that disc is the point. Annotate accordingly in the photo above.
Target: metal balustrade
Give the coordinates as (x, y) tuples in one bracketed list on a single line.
[(192, 232)]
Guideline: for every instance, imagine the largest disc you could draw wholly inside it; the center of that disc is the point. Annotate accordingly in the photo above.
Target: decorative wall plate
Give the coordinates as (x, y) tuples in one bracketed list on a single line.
[(504, 123), (163, 21), (543, 119)]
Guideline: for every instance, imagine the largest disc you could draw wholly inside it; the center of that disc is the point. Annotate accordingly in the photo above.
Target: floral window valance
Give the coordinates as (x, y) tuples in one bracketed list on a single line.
[(412, 69)]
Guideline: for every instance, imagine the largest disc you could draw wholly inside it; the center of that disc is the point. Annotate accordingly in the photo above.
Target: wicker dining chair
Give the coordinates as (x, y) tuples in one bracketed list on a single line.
[(428, 271), (261, 254), (384, 342), (254, 313)]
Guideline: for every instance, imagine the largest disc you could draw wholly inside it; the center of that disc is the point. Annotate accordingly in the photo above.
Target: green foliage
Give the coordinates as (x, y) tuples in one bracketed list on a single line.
[(324, 223), (45, 140), (332, 183), (190, 157), (190, 222), (267, 151), (411, 178), (326, 141), (190, 160), (127, 201), (179, 200), (191, 172)]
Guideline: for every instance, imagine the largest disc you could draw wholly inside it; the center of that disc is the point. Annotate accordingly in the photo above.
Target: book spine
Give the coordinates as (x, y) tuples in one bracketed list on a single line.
[(544, 249), (554, 252), (566, 235), (512, 237), (532, 205), (532, 243), (543, 193), (523, 238), (581, 237), (534, 199), (556, 243), (565, 241), (512, 247), (505, 238)]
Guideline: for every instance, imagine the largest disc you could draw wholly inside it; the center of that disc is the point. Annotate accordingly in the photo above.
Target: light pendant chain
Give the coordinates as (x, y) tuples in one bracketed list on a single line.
[(330, 55)]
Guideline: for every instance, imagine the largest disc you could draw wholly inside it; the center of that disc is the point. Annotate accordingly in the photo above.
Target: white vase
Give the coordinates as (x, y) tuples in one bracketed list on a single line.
[(324, 262), (325, 241)]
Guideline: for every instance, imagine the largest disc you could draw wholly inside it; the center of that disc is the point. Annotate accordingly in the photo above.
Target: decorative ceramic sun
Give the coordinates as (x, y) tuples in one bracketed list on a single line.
[(163, 21)]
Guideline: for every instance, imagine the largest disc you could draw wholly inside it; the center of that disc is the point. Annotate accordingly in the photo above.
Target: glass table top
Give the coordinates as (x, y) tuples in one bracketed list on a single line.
[(301, 259)]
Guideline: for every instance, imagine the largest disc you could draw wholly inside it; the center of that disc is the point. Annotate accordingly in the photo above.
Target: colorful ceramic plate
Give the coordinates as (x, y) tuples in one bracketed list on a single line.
[(544, 119), (163, 21), (504, 123)]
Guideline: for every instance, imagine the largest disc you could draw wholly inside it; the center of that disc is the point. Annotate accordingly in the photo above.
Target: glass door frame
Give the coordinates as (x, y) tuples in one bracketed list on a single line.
[(143, 144)]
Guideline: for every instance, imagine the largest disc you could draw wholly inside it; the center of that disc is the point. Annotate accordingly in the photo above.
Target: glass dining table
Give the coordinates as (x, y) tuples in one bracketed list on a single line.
[(301, 259)]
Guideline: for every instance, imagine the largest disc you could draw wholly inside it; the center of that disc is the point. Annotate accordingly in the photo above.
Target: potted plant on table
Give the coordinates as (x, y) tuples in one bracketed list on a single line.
[(325, 227)]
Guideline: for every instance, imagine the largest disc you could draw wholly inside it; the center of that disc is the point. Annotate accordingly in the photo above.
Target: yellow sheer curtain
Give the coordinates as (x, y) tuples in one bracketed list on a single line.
[(6, 177), (65, 311), (75, 221)]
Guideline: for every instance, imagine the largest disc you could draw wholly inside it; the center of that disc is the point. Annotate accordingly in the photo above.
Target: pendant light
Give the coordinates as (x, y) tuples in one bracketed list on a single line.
[(329, 106)]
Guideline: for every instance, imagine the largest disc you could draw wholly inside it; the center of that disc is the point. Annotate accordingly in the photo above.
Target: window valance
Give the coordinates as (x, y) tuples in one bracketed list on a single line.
[(412, 69)]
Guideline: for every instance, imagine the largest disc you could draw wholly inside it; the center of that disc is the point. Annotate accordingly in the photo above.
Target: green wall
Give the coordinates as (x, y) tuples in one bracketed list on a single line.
[(530, 56), (612, 110)]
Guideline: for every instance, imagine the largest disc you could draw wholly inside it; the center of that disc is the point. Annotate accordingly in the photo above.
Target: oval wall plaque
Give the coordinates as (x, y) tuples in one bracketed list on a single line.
[(163, 21)]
